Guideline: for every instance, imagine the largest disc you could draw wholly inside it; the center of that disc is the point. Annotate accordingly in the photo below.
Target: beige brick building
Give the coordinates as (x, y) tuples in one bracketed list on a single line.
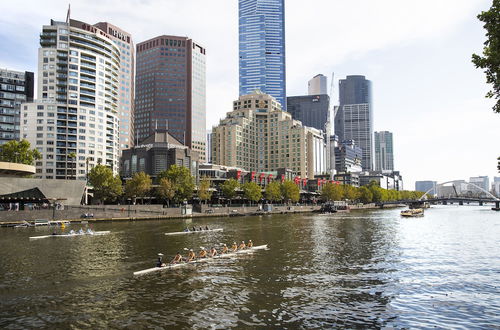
[(259, 136)]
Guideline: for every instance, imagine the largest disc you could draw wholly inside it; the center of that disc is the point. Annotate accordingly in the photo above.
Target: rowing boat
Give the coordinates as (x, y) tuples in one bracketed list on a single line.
[(95, 233), (194, 231), (226, 255)]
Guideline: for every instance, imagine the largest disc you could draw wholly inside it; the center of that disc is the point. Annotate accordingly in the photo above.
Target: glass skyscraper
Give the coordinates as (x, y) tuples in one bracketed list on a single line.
[(262, 48)]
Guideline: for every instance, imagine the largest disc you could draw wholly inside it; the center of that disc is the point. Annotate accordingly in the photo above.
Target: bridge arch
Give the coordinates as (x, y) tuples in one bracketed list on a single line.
[(468, 183)]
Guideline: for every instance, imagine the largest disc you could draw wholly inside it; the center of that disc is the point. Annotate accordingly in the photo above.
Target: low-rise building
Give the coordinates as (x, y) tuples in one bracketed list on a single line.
[(156, 154), (385, 179)]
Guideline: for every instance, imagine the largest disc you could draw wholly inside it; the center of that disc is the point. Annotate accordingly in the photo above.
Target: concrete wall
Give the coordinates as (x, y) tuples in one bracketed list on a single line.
[(71, 191)]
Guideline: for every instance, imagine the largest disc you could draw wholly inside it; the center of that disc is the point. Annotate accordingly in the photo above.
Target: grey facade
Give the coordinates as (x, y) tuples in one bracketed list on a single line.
[(311, 110), (156, 154), (384, 151), (354, 116), (15, 88), (352, 90), (357, 123), (425, 186), (348, 157)]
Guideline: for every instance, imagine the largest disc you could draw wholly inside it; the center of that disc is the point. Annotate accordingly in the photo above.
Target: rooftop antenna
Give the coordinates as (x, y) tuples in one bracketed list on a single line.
[(68, 14)]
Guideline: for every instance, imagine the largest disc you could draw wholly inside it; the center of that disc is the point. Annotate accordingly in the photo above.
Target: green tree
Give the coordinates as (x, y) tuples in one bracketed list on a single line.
[(182, 180), (19, 152), (252, 191), (273, 191), (350, 192), (106, 186), (331, 192), (365, 195), (490, 61), (290, 191), (229, 189), (138, 186), (165, 190), (204, 192)]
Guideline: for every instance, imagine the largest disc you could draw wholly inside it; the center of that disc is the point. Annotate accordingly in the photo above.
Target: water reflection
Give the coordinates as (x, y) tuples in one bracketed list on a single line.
[(363, 269)]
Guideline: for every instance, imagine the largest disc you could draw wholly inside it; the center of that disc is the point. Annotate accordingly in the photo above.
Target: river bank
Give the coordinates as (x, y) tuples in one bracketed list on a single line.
[(106, 213)]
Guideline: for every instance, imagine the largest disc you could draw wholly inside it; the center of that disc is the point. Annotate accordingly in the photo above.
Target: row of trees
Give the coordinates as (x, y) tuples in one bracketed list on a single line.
[(372, 193), (177, 184)]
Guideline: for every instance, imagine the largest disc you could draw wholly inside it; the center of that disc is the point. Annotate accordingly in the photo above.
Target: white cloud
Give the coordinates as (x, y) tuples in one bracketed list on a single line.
[(322, 36)]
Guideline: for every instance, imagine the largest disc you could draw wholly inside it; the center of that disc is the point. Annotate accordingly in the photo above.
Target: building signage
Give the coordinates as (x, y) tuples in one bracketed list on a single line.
[(119, 35)]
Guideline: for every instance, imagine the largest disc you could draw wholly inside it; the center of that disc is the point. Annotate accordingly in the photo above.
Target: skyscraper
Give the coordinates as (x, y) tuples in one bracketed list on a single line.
[(262, 48), (74, 123), (15, 88), (126, 82), (317, 85), (311, 110), (354, 116), (171, 90), (384, 151)]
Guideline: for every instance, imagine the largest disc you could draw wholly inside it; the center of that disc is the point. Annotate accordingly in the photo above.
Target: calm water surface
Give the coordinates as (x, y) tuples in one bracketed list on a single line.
[(363, 269)]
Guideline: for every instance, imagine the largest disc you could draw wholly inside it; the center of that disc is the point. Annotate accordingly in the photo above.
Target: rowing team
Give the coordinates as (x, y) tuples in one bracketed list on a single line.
[(194, 229), (204, 254), (80, 232)]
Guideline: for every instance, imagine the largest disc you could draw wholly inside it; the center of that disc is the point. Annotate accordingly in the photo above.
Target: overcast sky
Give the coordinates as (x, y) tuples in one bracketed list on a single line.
[(416, 53)]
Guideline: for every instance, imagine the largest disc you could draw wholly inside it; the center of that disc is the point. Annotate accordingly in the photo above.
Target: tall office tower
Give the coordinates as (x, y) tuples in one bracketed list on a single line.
[(15, 88), (384, 151), (311, 110), (171, 90), (352, 90), (126, 81), (262, 48), (358, 126), (317, 85), (354, 116), (259, 136), (426, 186), (74, 123), (480, 181)]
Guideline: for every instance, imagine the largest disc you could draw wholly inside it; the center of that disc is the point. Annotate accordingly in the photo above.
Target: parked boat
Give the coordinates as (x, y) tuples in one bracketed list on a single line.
[(412, 213), (219, 256)]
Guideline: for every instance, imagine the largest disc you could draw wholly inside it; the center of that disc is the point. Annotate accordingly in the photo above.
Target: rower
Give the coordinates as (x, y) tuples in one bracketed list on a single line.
[(206, 228), (242, 245), (194, 229), (234, 247), (201, 229), (177, 258), (186, 230), (213, 252), (224, 249), (89, 231), (203, 253), (72, 232), (81, 232), (191, 255), (250, 244), (159, 262)]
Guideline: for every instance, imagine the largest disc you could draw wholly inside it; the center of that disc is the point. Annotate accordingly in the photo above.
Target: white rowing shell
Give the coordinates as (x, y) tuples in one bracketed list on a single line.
[(96, 233), (194, 232), (226, 255)]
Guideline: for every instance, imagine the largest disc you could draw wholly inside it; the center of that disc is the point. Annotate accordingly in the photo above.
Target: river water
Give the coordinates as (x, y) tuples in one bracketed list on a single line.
[(357, 270)]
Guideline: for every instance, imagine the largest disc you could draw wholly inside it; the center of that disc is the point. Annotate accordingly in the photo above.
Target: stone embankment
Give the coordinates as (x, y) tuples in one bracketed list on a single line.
[(95, 213)]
